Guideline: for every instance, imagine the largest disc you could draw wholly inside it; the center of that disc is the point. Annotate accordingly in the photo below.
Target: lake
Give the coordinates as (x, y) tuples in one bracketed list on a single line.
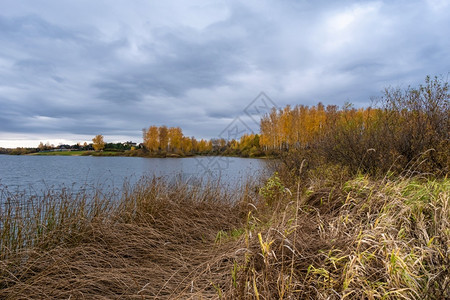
[(41, 173)]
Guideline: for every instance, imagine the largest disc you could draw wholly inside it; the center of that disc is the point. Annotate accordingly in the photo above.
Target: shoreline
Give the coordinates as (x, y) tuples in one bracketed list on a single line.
[(124, 154)]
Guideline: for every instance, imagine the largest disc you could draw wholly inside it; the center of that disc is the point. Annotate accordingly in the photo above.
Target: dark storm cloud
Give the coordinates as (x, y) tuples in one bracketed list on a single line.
[(80, 68)]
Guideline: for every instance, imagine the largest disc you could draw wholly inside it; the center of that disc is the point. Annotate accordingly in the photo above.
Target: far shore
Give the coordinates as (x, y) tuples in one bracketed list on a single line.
[(62, 153), (123, 154)]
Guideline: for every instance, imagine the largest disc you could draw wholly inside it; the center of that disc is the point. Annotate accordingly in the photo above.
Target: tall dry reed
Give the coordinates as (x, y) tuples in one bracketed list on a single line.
[(356, 238)]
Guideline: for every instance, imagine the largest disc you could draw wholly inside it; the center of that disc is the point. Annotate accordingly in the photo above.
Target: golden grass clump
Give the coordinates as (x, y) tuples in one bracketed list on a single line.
[(356, 239), (363, 240)]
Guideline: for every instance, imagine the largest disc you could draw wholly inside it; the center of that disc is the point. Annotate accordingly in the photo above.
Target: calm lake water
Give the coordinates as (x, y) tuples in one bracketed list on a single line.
[(41, 173)]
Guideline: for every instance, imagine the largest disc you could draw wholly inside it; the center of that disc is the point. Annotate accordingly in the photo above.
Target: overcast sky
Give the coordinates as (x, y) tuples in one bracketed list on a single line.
[(72, 69)]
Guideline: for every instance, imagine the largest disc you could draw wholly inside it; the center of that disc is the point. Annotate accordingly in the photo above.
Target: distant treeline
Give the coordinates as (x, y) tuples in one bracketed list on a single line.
[(111, 147), (405, 130), (171, 141), (18, 151), (4, 151)]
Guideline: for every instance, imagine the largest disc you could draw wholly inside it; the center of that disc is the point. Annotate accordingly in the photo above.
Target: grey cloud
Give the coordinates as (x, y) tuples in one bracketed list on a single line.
[(116, 74), (35, 66), (190, 62), (33, 26)]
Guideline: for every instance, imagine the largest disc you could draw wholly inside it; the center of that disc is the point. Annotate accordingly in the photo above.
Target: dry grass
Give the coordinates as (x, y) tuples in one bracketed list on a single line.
[(360, 240), (156, 242), (384, 239)]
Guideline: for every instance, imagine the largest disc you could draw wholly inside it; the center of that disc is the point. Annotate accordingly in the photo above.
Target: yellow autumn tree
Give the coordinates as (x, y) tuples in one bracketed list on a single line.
[(203, 145), (98, 143), (163, 138), (41, 146), (186, 145), (151, 136), (175, 136)]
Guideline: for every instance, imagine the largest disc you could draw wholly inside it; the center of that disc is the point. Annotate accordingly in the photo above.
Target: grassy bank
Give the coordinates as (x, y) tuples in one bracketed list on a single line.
[(321, 239)]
